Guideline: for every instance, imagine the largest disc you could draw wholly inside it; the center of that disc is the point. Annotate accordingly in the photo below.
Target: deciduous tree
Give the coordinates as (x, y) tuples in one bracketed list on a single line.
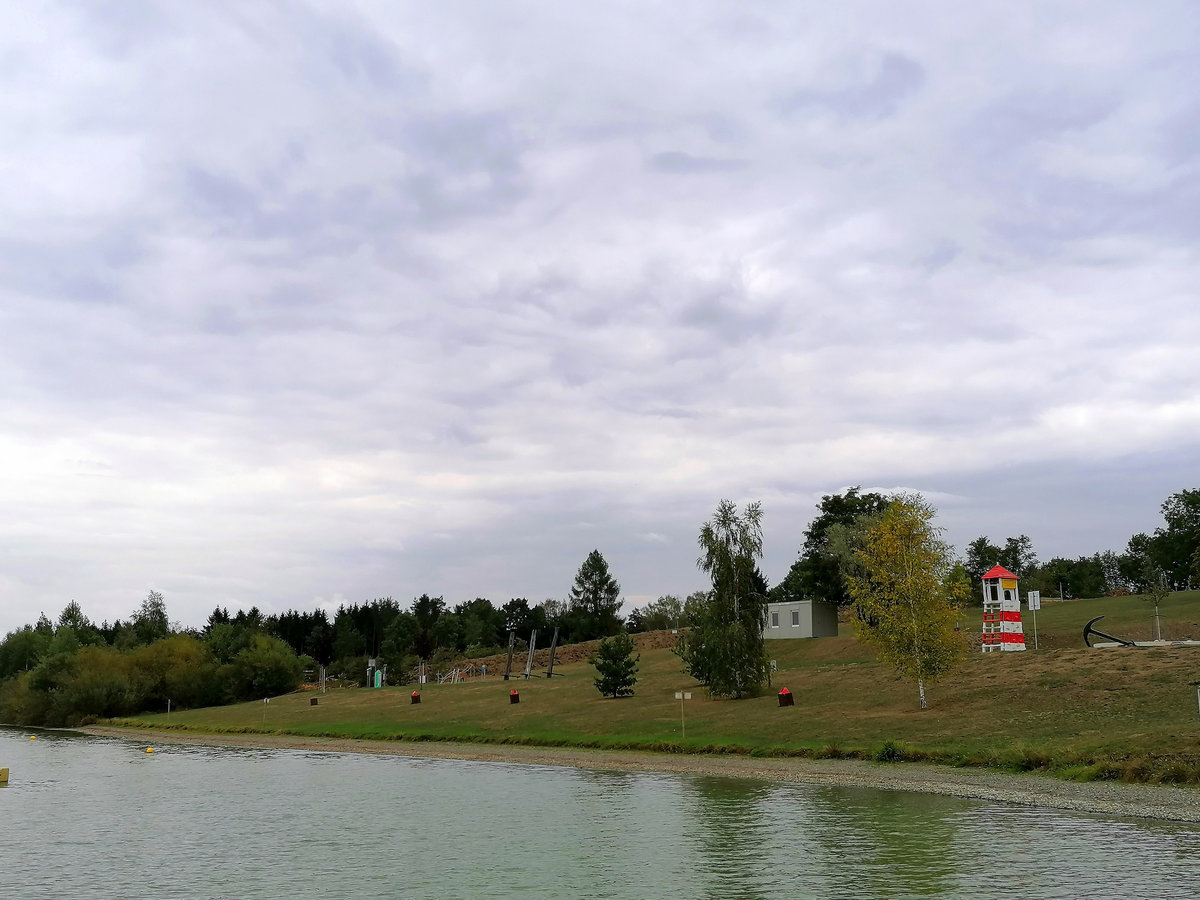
[(724, 648), (658, 615), (1157, 590), (150, 621), (907, 601)]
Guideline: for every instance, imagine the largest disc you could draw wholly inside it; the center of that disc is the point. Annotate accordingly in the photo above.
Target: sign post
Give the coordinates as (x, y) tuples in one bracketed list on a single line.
[(1035, 603), (682, 696)]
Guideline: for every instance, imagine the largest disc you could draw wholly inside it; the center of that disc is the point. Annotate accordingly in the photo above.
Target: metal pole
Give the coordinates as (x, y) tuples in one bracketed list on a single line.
[(1035, 646), (553, 645), (512, 639), (682, 723)]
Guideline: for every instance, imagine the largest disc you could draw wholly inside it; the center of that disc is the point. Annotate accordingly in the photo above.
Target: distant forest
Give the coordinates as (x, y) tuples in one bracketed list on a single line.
[(73, 670)]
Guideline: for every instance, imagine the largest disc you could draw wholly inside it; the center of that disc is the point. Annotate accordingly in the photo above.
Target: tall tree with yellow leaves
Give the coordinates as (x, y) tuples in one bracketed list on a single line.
[(906, 599)]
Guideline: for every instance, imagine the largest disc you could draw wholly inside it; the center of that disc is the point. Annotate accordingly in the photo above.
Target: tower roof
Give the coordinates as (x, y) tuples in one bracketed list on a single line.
[(998, 572)]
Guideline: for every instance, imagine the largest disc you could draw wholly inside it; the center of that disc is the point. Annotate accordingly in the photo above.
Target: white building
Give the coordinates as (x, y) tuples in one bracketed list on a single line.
[(801, 619)]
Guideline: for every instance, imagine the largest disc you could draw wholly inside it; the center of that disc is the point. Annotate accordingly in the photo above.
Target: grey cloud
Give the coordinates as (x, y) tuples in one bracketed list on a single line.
[(896, 78), (678, 163), (463, 142), (726, 318), (1011, 124), (74, 269), (943, 255)]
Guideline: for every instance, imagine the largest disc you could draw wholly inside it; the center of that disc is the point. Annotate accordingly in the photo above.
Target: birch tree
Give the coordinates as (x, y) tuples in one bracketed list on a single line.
[(724, 648), (906, 600)]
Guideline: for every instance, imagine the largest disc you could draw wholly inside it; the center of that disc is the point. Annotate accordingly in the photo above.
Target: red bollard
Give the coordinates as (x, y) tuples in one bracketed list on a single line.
[(786, 698), (416, 697), (514, 697)]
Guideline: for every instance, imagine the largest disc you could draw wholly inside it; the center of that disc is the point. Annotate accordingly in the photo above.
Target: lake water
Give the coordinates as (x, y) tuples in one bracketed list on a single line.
[(94, 817)]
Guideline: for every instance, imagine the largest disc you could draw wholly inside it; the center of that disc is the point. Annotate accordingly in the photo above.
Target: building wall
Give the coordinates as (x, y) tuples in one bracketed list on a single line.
[(813, 619)]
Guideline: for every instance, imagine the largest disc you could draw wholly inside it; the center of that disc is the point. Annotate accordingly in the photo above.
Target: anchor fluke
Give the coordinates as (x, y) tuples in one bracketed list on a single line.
[(1088, 631)]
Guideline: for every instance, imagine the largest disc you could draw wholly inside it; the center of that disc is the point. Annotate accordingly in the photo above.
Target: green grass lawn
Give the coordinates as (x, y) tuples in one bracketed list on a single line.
[(1127, 713)]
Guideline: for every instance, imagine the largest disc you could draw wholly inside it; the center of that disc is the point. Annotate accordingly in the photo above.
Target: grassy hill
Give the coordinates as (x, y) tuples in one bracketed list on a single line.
[(1122, 713)]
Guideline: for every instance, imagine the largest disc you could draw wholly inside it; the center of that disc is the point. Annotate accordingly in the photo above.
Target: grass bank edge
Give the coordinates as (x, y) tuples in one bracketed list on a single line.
[(1132, 768)]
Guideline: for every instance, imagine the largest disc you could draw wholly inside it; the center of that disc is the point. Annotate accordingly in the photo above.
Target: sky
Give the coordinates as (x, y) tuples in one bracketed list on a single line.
[(308, 303)]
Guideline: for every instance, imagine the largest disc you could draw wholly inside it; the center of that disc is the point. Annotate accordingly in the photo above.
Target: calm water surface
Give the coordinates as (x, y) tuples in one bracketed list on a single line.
[(93, 817)]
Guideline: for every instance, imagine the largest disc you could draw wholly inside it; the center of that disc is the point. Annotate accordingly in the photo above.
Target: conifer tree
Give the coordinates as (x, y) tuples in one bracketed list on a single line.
[(595, 600), (616, 666)]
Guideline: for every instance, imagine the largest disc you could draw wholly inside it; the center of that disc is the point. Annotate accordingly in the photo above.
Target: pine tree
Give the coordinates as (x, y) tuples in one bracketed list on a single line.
[(616, 666), (594, 601)]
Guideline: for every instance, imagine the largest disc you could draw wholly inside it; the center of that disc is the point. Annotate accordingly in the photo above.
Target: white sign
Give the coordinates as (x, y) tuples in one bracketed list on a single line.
[(1035, 599), (683, 695)]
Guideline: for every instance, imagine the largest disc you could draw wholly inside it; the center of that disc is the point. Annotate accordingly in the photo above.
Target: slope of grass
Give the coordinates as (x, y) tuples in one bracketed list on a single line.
[(1060, 625), (1127, 713)]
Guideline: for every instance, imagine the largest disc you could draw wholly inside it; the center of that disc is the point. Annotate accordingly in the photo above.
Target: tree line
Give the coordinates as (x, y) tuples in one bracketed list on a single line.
[(65, 671), (1170, 555)]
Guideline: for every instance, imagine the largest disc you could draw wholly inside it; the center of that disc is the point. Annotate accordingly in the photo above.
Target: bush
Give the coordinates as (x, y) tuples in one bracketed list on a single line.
[(891, 751), (266, 668)]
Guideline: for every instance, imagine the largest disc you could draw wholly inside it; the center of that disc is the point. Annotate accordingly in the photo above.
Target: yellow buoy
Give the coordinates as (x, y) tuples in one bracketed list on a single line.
[(33, 737), (149, 749)]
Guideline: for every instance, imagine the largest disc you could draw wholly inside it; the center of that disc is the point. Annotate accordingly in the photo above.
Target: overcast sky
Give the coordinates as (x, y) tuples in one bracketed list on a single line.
[(303, 303)]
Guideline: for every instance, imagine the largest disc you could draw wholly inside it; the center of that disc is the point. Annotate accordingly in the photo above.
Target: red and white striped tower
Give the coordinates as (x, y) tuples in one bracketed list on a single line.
[(1001, 611)]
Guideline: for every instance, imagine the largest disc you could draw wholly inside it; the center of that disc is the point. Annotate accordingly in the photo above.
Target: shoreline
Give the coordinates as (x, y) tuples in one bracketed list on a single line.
[(1159, 802)]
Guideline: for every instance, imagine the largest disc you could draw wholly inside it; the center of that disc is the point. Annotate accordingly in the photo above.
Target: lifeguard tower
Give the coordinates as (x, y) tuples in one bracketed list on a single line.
[(1001, 612)]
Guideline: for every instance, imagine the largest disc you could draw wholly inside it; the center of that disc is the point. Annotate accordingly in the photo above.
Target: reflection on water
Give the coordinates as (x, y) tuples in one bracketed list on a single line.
[(731, 821), (877, 831), (100, 817)]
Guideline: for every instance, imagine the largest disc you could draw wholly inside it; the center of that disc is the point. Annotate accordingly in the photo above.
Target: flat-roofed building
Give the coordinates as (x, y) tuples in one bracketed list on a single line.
[(801, 619)]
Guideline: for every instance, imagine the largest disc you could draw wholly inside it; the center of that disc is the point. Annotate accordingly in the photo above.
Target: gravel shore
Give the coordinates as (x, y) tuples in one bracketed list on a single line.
[(1110, 798)]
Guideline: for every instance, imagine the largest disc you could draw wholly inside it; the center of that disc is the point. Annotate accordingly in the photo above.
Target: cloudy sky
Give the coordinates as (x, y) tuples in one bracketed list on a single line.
[(311, 302)]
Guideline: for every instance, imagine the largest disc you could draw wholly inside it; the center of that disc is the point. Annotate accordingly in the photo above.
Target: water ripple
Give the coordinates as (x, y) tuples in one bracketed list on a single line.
[(100, 817)]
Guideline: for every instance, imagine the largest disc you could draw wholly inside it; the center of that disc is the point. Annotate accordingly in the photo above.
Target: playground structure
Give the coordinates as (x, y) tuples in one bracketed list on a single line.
[(459, 674), (470, 671), (1001, 612), (529, 673)]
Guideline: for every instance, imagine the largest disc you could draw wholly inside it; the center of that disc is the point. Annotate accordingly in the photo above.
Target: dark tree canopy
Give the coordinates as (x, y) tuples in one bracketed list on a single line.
[(1017, 555), (595, 601), (150, 621), (819, 573), (1174, 547)]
